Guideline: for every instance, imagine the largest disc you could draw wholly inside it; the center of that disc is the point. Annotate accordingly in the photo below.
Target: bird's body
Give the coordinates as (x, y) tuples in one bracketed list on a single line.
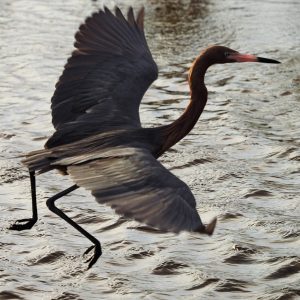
[(99, 139)]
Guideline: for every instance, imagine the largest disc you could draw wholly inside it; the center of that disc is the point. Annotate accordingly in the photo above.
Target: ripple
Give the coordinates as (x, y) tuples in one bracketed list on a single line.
[(50, 258), (281, 258), (169, 268), (116, 224), (286, 270), (67, 296), (88, 219), (291, 234), (224, 81), (116, 245), (228, 176), (229, 216), (288, 294), (286, 93), (7, 295), (239, 258), (194, 162), (139, 253), (148, 229), (117, 284), (295, 158), (12, 174), (242, 254), (204, 284), (6, 136), (232, 285), (245, 249), (287, 152), (258, 193)]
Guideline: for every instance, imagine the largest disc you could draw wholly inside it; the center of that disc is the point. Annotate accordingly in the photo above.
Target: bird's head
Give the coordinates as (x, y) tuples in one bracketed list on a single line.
[(222, 55)]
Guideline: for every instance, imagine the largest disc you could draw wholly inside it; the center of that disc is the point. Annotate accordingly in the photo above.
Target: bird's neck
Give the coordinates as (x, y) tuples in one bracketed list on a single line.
[(178, 129)]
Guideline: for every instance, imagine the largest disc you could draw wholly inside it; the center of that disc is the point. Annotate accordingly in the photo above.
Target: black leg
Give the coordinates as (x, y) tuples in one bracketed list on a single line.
[(28, 223), (53, 208)]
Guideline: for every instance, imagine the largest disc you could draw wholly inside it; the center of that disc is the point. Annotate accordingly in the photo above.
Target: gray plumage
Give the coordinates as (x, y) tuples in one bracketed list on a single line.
[(99, 140), (105, 78)]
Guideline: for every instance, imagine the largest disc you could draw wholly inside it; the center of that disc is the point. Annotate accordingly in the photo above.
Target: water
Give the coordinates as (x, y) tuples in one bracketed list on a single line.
[(241, 160)]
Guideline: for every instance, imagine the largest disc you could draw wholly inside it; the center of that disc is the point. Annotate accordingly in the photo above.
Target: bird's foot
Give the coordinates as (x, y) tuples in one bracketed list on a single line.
[(97, 253), (23, 224)]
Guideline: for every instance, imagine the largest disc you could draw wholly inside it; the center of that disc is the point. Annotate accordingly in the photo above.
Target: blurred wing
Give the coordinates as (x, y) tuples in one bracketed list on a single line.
[(105, 78), (136, 185)]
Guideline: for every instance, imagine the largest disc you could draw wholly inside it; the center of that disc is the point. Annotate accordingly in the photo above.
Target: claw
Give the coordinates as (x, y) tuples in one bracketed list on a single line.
[(89, 259), (28, 225), (97, 253), (88, 250), (92, 262)]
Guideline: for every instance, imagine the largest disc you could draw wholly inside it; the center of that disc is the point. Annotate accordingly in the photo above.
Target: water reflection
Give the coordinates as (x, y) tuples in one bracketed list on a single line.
[(175, 26), (174, 12)]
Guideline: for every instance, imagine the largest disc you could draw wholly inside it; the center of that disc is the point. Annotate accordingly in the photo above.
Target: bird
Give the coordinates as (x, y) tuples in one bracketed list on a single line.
[(99, 140)]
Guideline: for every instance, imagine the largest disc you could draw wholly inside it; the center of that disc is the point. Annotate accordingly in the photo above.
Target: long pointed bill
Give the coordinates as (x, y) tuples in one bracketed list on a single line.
[(268, 60), (238, 57)]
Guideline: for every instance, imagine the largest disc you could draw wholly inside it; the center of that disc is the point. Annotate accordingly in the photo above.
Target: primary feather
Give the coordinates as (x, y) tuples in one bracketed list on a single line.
[(104, 80)]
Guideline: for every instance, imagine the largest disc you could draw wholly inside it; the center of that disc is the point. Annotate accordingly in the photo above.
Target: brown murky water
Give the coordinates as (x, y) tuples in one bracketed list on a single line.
[(241, 160)]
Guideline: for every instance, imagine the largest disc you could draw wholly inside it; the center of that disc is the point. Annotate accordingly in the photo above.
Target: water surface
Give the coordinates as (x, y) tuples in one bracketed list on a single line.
[(241, 160)]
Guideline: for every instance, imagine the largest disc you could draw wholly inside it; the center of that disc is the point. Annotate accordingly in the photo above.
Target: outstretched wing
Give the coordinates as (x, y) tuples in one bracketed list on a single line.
[(136, 185), (105, 78)]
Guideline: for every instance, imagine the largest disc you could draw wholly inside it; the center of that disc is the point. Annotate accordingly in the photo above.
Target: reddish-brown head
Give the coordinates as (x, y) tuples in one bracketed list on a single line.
[(222, 55)]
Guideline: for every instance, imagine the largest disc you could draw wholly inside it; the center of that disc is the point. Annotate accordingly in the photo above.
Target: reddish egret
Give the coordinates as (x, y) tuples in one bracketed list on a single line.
[(99, 140)]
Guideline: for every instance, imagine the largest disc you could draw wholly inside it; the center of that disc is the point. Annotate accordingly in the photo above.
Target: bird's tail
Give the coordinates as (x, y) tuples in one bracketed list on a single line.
[(38, 161)]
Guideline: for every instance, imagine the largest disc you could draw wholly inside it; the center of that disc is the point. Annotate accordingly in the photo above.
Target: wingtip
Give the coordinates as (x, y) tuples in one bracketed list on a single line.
[(140, 18), (130, 16), (209, 228), (105, 9), (142, 10)]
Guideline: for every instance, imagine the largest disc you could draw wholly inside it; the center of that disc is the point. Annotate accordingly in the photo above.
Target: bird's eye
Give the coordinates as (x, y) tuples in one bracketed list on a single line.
[(227, 54)]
